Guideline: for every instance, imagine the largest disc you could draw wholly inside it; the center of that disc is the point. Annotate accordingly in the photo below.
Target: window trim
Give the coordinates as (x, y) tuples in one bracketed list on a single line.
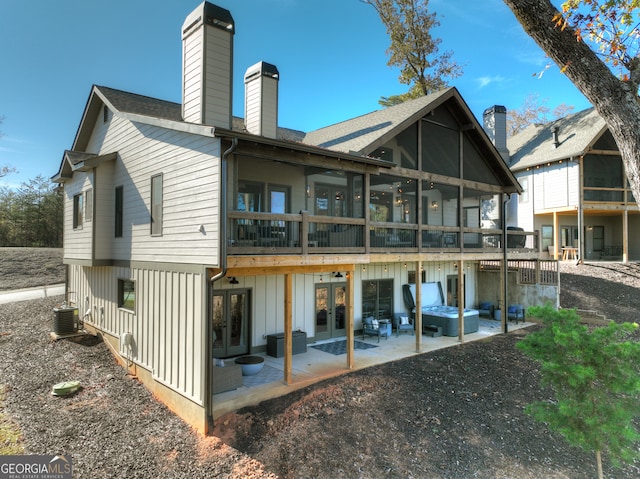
[(156, 206), (88, 205), (119, 211), (125, 303), (78, 207)]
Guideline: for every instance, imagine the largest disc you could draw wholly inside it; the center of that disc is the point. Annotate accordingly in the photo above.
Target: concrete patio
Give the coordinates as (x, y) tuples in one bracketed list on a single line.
[(315, 365)]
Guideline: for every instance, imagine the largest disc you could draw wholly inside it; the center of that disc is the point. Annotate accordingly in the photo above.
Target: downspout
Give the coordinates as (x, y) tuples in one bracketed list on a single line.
[(223, 271), (223, 212), (505, 309)]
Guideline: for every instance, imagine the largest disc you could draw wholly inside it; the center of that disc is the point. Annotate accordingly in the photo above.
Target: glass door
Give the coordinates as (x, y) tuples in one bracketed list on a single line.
[(278, 203), (568, 236), (331, 302), (453, 295), (598, 238), (230, 323)]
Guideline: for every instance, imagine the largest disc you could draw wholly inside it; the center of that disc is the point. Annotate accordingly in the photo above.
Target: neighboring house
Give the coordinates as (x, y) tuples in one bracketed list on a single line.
[(575, 191), (191, 235)]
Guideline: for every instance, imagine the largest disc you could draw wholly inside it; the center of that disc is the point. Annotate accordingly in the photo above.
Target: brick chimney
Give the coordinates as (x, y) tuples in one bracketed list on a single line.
[(261, 99), (495, 125), (207, 66)]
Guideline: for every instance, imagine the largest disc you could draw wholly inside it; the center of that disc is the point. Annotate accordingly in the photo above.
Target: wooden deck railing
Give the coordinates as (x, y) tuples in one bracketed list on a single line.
[(270, 233)]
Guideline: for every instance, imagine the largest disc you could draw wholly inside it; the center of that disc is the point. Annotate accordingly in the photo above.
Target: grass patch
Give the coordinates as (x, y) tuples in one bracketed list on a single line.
[(10, 434)]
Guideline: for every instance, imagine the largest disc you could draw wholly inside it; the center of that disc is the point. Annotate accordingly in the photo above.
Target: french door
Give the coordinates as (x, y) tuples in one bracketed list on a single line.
[(230, 323), (331, 310)]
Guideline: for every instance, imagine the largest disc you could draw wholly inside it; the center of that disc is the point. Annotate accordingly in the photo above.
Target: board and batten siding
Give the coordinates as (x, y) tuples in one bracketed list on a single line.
[(190, 168), (78, 241), (168, 325), (556, 186), (267, 294)]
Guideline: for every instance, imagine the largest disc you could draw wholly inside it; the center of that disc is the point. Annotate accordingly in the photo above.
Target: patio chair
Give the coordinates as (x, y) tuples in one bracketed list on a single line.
[(515, 312), (371, 327), (403, 323)]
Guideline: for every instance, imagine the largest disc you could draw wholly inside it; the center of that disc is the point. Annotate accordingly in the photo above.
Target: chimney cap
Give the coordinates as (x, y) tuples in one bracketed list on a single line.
[(261, 69), (209, 14), (495, 109)]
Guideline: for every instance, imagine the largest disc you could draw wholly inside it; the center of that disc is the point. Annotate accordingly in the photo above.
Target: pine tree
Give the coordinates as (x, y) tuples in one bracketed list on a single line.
[(595, 377)]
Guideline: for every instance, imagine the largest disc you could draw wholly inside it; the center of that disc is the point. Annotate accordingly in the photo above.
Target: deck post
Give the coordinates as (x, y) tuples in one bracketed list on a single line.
[(417, 320), (288, 328), (350, 321), (460, 301)]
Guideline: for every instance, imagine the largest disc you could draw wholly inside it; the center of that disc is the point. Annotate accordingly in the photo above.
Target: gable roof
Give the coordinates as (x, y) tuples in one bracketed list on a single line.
[(365, 133), (354, 139), (576, 134), (144, 108)]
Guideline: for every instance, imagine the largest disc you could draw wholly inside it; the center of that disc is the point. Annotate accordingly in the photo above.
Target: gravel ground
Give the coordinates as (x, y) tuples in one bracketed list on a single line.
[(113, 427), (29, 267), (454, 413)]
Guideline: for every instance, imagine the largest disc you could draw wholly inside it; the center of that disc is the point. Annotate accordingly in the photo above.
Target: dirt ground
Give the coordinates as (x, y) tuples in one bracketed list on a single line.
[(453, 413)]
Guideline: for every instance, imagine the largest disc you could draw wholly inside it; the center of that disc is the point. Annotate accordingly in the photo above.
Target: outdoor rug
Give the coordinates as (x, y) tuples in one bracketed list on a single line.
[(340, 347), (267, 375)]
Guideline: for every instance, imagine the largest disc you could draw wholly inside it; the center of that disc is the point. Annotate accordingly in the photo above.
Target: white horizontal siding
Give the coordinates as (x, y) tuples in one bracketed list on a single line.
[(218, 77), (573, 182), (190, 165), (252, 105), (525, 209), (77, 242), (192, 78), (261, 106)]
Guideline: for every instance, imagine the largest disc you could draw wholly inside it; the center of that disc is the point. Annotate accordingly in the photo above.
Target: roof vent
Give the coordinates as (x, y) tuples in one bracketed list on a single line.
[(556, 141)]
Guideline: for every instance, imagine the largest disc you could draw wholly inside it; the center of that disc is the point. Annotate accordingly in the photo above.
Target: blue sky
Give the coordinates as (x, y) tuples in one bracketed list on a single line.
[(331, 55)]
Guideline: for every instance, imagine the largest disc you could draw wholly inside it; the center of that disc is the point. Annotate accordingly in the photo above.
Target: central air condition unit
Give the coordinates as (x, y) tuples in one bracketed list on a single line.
[(65, 320)]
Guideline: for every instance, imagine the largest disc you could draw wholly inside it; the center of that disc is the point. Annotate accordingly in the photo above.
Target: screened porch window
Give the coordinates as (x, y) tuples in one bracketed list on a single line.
[(441, 144), (392, 199), (605, 175)]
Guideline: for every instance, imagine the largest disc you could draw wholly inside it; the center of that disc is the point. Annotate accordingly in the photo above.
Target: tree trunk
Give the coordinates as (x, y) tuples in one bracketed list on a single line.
[(616, 101), (599, 463)]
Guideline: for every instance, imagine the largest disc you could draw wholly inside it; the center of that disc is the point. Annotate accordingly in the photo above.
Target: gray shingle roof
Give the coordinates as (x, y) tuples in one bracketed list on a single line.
[(146, 106), (142, 105), (357, 134), (535, 144)]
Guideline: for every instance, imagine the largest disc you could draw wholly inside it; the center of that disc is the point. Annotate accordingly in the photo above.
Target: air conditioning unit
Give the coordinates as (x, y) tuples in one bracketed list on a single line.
[(65, 320)]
